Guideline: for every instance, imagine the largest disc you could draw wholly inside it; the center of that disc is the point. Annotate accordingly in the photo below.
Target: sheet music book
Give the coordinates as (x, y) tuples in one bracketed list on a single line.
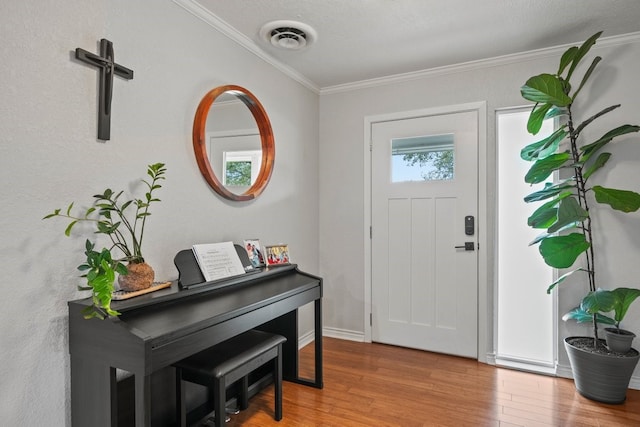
[(218, 260)]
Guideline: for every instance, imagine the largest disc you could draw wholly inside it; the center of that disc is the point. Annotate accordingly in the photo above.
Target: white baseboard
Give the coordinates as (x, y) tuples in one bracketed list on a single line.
[(343, 334), (491, 359), (564, 371), (305, 339)]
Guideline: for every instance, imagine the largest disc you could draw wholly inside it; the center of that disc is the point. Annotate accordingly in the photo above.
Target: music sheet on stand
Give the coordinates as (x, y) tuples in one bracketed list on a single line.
[(218, 260)]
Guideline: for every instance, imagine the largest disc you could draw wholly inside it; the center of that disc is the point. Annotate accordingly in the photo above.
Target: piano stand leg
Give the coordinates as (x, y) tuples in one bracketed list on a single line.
[(143, 400), (213, 419)]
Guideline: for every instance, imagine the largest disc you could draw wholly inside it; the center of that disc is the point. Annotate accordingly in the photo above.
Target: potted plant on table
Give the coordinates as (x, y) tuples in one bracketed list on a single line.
[(124, 223), (566, 217)]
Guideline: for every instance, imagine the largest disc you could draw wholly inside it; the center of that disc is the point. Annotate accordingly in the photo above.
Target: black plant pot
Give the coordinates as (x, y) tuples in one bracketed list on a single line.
[(601, 377)]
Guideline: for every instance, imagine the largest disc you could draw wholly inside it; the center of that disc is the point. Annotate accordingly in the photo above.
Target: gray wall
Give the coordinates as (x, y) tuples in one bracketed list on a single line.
[(342, 174), (49, 157)]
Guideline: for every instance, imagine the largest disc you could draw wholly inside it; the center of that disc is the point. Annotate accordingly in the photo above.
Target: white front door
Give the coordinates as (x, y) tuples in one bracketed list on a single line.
[(424, 210)]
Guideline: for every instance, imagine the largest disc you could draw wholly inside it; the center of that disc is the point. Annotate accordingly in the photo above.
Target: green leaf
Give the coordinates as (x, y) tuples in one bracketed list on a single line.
[(544, 216), (67, 231), (600, 301), (569, 212), (600, 162), (562, 279), (536, 118), (624, 297), (581, 316), (539, 238), (620, 200), (562, 251), (69, 208), (121, 269), (550, 190), (582, 51), (542, 168), (51, 215), (548, 235), (590, 149), (556, 112), (90, 312), (547, 89), (104, 227), (105, 206), (547, 214), (587, 75), (567, 58), (544, 147)]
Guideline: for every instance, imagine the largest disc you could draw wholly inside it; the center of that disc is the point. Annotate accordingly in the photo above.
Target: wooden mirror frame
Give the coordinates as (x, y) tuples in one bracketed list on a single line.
[(266, 138)]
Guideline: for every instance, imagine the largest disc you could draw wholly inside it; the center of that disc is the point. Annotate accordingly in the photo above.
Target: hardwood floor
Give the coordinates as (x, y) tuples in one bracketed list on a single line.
[(380, 385)]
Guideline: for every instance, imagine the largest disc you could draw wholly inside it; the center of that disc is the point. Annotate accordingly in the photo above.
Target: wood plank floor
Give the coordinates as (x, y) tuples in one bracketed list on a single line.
[(380, 385)]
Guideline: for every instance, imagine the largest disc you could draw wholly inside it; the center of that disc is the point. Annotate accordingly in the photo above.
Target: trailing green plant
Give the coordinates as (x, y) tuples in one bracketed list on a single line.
[(100, 271), (123, 222), (566, 215)]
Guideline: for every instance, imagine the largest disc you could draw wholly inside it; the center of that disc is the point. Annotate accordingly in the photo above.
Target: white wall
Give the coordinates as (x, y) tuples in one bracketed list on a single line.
[(342, 173), (49, 157)]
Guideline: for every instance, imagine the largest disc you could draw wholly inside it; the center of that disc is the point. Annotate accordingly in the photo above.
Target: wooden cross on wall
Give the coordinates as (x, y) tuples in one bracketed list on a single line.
[(105, 62)]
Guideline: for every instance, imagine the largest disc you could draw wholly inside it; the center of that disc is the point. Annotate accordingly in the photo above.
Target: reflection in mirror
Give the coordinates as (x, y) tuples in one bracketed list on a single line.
[(233, 143)]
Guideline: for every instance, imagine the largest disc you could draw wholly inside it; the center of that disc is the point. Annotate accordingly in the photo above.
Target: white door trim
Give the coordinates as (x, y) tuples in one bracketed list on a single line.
[(482, 223)]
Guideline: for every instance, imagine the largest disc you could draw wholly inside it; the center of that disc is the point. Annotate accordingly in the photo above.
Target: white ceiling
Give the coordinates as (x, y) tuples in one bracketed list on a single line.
[(360, 40)]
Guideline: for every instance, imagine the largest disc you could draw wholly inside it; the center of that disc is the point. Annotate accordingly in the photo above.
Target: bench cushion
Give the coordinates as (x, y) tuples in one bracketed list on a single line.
[(218, 361)]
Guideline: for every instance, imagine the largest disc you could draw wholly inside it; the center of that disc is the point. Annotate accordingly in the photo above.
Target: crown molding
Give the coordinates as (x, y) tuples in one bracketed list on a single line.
[(475, 65), (193, 7), (227, 30)]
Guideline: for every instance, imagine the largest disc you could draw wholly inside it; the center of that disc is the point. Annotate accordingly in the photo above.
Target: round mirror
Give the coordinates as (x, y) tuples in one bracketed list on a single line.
[(233, 143)]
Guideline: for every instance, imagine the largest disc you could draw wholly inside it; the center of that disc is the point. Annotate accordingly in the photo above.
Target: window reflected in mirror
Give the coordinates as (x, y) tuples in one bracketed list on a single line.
[(422, 158), (241, 168)]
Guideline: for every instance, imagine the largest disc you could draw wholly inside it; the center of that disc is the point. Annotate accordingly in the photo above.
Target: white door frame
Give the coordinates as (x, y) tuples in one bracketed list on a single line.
[(482, 220)]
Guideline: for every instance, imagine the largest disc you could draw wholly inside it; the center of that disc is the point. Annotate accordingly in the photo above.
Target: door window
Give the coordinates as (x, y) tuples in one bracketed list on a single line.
[(422, 158)]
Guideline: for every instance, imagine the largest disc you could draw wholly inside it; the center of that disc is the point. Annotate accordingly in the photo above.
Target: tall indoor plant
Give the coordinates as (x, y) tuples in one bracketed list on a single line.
[(124, 223), (566, 213)]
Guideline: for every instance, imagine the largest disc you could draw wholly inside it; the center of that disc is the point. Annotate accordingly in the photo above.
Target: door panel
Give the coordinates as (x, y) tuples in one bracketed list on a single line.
[(424, 290)]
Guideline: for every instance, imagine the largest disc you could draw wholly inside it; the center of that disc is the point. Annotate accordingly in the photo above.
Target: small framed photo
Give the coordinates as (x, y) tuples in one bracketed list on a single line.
[(277, 255), (254, 251)]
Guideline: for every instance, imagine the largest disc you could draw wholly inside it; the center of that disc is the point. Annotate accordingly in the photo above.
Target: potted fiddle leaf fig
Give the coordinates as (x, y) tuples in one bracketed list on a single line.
[(123, 221), (566, 217)]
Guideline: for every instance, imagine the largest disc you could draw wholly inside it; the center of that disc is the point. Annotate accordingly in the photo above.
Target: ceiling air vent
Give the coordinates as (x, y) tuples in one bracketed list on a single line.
[(288, 35)]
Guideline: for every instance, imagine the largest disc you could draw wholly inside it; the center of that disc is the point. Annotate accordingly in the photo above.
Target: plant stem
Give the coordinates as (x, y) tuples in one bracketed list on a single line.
[(582, 200)]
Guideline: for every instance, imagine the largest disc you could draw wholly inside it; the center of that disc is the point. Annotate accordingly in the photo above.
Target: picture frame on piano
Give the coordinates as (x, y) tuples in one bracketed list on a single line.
[(254, 252), (276, 255)]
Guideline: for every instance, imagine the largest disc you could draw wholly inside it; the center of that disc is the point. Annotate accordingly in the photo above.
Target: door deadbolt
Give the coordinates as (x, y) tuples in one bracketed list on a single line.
[(469, 225)]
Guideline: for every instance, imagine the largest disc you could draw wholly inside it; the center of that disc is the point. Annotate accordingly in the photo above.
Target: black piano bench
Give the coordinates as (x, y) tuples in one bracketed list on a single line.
[(221, 365)]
